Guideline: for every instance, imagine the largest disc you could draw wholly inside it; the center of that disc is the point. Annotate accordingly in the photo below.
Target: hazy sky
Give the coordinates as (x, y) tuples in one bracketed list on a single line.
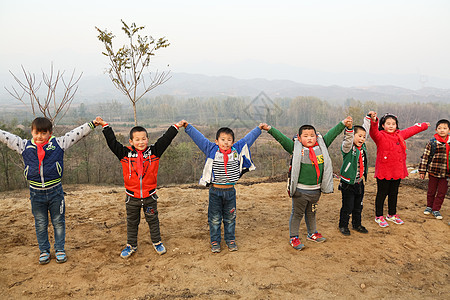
[(224, 37)]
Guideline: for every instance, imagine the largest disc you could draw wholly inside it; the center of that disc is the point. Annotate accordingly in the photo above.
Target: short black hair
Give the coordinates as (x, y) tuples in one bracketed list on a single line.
[(443, 121), (137, 129), (305, 127), (42, 124), (225, 130), (384, 118), (357, 128)]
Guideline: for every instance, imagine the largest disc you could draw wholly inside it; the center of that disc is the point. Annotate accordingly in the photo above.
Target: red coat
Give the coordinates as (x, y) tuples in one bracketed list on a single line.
[(391, 154)]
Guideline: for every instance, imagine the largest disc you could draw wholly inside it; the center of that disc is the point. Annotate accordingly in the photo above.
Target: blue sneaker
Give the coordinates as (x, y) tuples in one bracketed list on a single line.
[(215, 247), (427, 210), (437, 214), (159, 247), (61, 256), (128, 251), (44, 258)]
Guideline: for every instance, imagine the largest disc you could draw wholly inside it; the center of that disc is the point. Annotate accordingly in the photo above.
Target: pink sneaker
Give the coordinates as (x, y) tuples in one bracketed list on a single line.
[(394, 218), (381, 221)]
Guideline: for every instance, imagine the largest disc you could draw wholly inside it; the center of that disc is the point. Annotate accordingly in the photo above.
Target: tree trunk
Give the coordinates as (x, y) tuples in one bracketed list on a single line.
[(134, 110)]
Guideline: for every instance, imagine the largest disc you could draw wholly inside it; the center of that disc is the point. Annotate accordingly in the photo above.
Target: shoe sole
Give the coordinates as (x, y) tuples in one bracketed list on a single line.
[(395, 222), (215, 251), (44, 262), (313, 240)]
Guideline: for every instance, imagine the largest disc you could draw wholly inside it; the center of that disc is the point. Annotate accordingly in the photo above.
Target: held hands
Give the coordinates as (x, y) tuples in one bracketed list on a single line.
[(348, 122), (372, 115), (182, 123), (264, 126), (99, 121)]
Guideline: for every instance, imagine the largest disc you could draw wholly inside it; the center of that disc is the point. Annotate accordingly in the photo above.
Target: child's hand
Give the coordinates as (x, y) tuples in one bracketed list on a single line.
[(428, 123), (372, 115), (264, 126), (182, 123), (99, 121), (422, 176), (348, 122)]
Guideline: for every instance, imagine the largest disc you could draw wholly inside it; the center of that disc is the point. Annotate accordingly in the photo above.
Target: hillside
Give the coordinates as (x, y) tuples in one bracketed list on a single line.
[(409, 261)]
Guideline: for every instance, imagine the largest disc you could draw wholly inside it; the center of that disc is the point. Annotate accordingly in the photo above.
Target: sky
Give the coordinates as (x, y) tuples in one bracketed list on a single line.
[(317, 42)]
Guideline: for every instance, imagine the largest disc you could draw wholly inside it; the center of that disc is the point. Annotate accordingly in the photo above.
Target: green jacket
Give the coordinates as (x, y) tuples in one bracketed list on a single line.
[(350, 154), (307, 176)]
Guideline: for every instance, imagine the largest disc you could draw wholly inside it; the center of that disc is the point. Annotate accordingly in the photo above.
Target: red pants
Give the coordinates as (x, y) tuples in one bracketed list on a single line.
[(439, 185)]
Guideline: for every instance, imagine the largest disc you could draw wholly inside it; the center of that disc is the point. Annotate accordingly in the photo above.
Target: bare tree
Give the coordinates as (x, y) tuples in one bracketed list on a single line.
[(49, 106), (127, 65)]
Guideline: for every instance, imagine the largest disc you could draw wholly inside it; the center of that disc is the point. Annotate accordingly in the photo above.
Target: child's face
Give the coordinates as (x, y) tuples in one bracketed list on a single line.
[(390, 125), (40, 137), (359, 138), (140, 140), (442, 130), (225, 141), (308, 138)]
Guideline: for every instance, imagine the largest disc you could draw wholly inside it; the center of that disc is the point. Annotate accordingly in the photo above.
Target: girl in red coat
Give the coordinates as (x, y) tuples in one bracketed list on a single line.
[(390, 165)]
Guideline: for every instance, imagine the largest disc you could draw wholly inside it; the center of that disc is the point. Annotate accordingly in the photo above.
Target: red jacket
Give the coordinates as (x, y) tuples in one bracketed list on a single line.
[(391, 154), (135, 186)]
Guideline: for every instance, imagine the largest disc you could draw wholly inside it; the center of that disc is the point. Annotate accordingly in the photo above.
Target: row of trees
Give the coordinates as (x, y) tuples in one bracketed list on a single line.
[(90, 161)]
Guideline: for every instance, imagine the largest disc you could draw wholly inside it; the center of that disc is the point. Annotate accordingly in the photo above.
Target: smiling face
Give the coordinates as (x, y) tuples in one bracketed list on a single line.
[(390, 125), (140, 140), (308, 138), (40, 137), (225, 141), (359, 138), (442, 130)]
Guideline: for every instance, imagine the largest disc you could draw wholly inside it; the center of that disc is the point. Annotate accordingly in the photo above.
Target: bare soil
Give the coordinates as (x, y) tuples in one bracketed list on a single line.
[(409, 261)]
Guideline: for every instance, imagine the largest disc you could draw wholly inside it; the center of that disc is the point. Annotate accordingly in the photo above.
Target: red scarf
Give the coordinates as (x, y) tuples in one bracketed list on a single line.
[(361, 163), (447, 146), (41, 153), (313, 158), (225, 158)]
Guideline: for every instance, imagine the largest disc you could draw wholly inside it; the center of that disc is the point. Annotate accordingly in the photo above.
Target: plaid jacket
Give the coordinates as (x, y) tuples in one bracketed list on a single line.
[(438, 164)]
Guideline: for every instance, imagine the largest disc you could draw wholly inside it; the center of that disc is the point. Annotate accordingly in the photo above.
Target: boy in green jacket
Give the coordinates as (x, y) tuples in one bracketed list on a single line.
[(311, 174), (353, 171)]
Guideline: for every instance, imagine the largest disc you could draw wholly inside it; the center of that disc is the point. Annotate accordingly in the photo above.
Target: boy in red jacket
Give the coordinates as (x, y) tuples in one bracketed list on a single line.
[(140, 164), (390, 165)]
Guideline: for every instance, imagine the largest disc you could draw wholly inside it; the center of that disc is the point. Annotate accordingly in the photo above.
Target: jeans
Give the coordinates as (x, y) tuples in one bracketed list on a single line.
[(387, 188), (45, 201), (304, 202), (149, 205), (222, 206), (439, 185), (352, 203)]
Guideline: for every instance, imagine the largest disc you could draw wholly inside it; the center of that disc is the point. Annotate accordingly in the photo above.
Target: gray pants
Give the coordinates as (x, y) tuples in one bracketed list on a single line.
[(304, 202)]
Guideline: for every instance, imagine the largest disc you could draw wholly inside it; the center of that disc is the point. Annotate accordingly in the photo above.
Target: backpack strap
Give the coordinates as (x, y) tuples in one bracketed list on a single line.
[(432, 150)]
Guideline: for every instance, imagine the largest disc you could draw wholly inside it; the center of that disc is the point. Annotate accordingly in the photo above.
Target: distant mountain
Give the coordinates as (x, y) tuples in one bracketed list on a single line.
[(100, 89)]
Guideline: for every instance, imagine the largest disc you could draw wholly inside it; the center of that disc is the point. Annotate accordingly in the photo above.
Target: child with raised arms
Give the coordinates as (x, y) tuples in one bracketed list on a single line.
[(140, 163), (353, 171), (436, 161), (390, 164), (226, 161), (311, 174), (43, 157)]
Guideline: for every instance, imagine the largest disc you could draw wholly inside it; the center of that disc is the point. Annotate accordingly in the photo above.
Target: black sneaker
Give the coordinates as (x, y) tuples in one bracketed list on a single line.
[(361, 229), (344, 230)]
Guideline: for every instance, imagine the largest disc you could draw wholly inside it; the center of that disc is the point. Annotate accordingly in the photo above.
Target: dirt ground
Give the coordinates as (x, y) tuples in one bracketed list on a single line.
[(409, 261)]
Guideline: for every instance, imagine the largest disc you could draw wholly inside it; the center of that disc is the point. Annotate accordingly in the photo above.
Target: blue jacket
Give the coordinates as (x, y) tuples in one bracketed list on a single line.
[(52, 166), (241, 147)]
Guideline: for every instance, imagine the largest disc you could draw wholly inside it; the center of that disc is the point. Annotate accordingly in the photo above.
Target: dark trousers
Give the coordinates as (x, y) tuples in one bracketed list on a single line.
[(352, 203), (439, 185), (222, 207), (387, 188), (149, 205)]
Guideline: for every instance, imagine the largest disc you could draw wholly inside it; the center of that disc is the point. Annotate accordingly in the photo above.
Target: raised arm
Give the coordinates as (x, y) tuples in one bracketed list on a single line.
[(73, 136), (287, 143), (415, 129), (249, 138), (332, 134), (199, 139), (164, 141), (13, 141)]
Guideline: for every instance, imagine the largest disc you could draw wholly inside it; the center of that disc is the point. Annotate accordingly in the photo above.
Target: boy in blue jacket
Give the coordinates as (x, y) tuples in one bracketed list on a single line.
[(43, 157), (226, 161)]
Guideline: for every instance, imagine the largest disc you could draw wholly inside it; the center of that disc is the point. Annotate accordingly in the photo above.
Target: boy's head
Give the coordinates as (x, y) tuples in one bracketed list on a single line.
[(359, 137), (388, 122), (41, 130), (307, 135), (224, 138), (139, 138), (443, 128)]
